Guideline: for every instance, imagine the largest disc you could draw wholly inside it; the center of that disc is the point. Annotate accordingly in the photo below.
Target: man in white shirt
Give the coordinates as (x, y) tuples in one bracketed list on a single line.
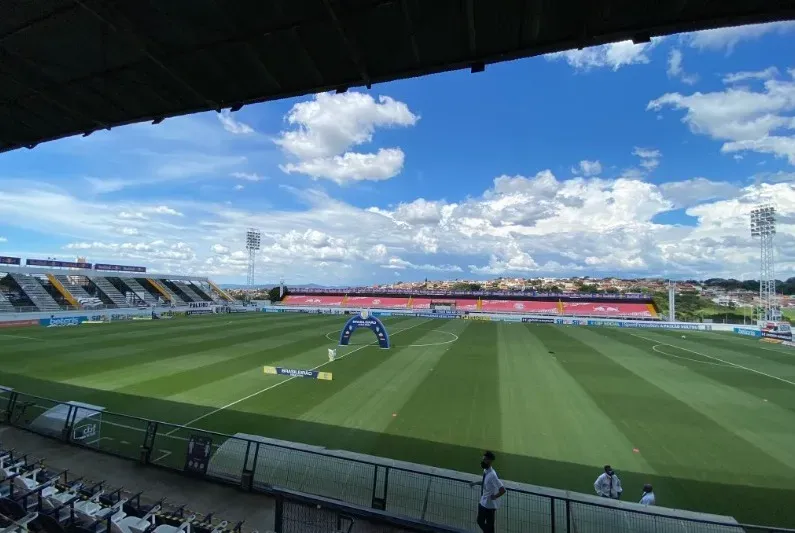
[(492, 490), (648, 496), (607, 485)]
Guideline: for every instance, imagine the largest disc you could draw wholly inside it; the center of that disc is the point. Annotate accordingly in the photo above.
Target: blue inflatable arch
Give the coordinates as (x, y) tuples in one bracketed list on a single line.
[(365, 320)]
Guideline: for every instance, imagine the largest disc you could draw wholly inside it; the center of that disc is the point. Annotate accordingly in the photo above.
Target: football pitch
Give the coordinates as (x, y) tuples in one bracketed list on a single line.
[(708, 418)]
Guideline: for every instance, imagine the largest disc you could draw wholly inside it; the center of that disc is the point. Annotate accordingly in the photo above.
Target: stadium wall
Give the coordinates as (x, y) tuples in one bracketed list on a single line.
[(534, 319)]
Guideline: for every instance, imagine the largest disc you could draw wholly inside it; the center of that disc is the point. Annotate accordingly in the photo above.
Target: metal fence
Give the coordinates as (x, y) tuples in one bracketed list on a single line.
[(426, 501)]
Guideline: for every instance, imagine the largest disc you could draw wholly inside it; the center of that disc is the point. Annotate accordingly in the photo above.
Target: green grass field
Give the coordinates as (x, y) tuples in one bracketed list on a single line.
[(708, 419)]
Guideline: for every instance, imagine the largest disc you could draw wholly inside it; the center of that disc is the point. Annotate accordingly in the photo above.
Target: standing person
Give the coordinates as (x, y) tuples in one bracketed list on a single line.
[(491, 491), (607, 485), (648, 497)]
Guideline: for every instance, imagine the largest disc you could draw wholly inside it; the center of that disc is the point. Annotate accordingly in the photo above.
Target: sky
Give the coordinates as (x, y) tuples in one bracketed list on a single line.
[(620, 160)]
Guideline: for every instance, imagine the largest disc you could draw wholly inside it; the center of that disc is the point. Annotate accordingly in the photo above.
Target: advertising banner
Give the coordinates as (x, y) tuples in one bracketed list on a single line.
[(119, 268), (10, 260), (482, 318), (780, 335), (748, 332), (62, 322), (57, 264), (18, 323), (293, 373), (537, 320), (200, 312)]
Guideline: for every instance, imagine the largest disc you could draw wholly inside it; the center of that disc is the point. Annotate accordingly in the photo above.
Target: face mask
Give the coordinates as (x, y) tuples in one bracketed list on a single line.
[(484, 465)]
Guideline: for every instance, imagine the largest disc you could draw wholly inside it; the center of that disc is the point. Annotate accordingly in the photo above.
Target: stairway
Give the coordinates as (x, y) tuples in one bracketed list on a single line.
[(5, 305), (188, 291), (110, 291), (139, 290), (176, 299), (75, 289), (200, 291), (36, 292)]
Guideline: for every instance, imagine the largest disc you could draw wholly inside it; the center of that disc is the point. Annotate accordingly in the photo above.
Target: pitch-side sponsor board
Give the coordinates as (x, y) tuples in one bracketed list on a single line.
[(18, 323), (62, 322), (748, 332), (295, 373), (537, 320)]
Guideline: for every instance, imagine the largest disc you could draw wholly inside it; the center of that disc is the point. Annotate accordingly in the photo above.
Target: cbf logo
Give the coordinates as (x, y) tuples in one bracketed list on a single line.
[(85, 432)]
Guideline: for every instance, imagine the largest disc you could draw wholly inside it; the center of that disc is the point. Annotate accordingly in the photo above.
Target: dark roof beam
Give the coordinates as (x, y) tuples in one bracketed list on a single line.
[(472, 42), (17, 76), (410, 27), (123, 27), (264, 70), (353, 52)]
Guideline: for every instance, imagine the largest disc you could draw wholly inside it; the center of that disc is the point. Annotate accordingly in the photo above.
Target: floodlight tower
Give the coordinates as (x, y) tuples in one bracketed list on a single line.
[(671, 301), (763, 225), (252, 245)]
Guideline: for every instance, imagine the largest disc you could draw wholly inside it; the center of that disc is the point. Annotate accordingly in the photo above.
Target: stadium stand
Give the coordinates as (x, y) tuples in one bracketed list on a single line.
[(75, 289), (140, 291), (173, 295), (204, 293), (109, 290), (5, 304), (188, 291), (36, 292), (561, 307), (637, 310)]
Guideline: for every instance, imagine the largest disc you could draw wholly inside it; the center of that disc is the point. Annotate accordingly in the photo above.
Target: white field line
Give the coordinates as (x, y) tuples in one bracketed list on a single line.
[(163, 455), (266, 389), (21, 337), (716, 359), (656, 349)]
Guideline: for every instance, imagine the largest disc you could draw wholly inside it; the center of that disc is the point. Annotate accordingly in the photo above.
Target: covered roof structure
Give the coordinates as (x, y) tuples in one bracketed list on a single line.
[(77, 66)]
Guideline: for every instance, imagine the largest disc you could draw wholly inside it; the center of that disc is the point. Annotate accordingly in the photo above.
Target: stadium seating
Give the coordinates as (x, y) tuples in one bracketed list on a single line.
[(188, 291), (635, 310), (5, 304), (36, 292), (140, 291), (37, 499), (109, 290), (535, 307)]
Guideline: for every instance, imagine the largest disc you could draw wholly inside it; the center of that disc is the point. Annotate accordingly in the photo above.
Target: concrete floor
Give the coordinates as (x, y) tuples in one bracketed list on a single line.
[(200, 497)]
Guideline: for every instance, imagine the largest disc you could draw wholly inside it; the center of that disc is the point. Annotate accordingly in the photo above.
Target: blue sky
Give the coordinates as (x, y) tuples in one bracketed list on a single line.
[(618, 160)]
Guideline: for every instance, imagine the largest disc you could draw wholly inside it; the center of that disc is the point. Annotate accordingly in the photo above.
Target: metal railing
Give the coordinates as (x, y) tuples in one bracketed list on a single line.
[(424, 500)]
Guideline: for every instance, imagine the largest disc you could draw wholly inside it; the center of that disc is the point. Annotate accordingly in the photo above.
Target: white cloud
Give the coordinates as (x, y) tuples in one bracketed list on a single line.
[(588, 168), (351, 167), (328, 126), (233, 126), (219, 249), (3, 239), (697, 191), (395, 263), (129, 231), (649, 157), (159, 249), (238, 187), (675, 69), (727, 38), (746, 119), (737, 77), (247, 176), (163, 210), (128, 215), (613, 55)]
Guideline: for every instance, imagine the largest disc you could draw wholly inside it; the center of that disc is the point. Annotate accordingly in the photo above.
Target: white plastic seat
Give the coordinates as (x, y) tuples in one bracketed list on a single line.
[(133, 524), (183, 527)]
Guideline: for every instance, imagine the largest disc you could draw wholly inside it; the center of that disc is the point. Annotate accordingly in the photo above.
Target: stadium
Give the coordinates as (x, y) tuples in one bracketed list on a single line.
[(134, 401)]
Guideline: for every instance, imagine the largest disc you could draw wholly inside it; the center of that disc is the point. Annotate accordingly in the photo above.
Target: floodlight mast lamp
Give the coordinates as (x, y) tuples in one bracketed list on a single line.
[(252, 245), (763, 225)]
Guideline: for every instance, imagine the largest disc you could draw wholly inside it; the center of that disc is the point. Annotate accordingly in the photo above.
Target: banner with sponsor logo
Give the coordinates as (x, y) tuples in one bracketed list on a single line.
[(57, 264), (200, 312), (18, 323), (62, 322), (780, 335), (367, 321), (119, 268), (482, 318), (10, 260), (537, 320), (748, 332), (294, 373), (199, 305)]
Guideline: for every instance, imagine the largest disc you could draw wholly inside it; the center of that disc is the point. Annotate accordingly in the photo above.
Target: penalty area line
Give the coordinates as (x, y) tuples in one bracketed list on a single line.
[(658, 343), (266, 389)]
